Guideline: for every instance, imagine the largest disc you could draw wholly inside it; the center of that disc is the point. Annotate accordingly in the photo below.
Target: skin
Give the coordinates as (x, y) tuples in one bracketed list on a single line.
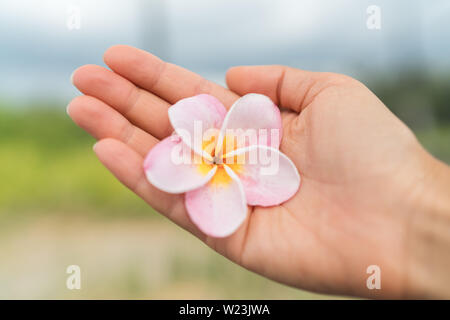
[(370, 194)]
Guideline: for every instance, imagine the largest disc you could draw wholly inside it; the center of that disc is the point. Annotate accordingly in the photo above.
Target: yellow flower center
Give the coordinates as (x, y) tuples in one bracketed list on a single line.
[(221, 177)]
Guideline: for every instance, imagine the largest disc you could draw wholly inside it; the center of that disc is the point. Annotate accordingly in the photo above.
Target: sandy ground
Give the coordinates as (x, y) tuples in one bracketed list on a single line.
[(122, 259)]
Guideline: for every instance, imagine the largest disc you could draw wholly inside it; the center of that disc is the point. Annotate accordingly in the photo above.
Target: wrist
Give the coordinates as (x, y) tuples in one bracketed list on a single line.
[(428, 244)]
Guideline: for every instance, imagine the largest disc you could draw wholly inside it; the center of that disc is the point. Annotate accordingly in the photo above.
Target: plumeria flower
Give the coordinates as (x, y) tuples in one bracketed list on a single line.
[(223, 161)]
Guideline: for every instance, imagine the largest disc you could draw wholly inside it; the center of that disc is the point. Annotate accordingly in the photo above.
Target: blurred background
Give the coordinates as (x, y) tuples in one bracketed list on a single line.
[(59, 206)]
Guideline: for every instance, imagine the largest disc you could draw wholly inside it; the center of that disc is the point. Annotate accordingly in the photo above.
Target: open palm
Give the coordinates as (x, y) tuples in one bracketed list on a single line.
[(356, 159)]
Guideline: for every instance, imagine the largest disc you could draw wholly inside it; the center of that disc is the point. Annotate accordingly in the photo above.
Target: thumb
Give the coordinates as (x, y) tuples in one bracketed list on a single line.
[(287, 87)]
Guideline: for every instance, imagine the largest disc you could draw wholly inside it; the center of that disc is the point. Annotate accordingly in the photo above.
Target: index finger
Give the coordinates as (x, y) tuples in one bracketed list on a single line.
[(168, 81)]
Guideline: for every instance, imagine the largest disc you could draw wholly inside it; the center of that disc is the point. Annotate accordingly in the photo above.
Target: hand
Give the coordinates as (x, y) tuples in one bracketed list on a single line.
[(362, 169)]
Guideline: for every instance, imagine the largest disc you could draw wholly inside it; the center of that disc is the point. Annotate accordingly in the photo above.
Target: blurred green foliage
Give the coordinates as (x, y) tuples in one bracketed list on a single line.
[(421, 102), (47, 164)]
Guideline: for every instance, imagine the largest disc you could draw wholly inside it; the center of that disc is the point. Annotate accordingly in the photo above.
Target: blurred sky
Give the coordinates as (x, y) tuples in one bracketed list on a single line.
[(38, 52)]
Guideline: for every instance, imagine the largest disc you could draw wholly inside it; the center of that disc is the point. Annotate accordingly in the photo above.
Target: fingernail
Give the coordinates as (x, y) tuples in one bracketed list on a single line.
[(67, 109), (71, 77), (93, 147)]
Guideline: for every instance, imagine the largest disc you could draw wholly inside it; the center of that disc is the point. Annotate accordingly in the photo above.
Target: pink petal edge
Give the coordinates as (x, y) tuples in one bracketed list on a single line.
[(218, 211), (164, 174), (252, 111), (267, 190), (203, 107)]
